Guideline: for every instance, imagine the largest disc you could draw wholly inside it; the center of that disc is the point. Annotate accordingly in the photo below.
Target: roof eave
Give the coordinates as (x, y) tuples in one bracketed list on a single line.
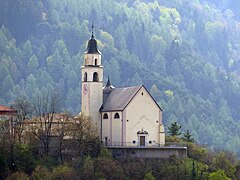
[(97, 52)]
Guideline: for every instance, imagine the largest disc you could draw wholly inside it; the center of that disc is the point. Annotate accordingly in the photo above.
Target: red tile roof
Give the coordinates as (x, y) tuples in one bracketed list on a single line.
[(6, 109)]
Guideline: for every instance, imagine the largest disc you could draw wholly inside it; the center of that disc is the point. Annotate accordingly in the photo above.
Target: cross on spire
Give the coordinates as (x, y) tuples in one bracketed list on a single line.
[(92, 30)]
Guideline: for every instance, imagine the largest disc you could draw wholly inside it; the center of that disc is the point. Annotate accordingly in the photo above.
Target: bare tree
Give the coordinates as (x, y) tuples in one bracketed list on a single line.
[(75, 135), (63, 129), (24, 111), (4, 135), (85, 134), (45, 108), (6, 146)]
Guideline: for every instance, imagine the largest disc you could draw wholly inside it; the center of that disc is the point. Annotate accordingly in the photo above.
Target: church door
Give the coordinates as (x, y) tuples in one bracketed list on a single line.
[(142, 140)]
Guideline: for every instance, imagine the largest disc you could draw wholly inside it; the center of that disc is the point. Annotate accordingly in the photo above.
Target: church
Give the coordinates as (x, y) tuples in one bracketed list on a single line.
[(128, 116)]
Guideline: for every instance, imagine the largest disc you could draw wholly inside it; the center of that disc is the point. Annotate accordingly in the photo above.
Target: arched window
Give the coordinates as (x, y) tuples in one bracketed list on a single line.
[(95, 77), (116, 116), (85, 77), (95, 62), (105, 116)]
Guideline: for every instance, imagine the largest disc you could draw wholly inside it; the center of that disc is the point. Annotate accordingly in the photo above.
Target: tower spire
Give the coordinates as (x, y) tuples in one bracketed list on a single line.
[(109, 85), (92, 30), (92, 44), (108, 82)]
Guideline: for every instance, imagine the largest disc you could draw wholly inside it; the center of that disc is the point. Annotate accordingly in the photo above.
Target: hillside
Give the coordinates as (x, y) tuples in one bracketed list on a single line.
[(185, 53)]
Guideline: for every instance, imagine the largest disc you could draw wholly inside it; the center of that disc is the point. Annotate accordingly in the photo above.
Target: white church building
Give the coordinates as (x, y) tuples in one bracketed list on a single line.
[(126, 116)]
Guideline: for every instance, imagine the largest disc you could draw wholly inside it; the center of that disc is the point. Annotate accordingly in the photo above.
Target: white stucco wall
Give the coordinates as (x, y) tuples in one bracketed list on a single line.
[(142, 113), (117, 128), (89, 59), (90, 70), (112, 128), (105, 127), (93, 98)]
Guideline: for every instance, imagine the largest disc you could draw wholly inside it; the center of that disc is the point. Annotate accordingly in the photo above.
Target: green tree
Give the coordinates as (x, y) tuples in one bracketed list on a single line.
[(108, 168), (31, 85), (32, 64), (173, 130), (112, 69), (63, 172), (24, 158), (223, 161), (18, 176), (217, 175), (55, 64), (27, 50), (7, 86), (155, 92), (149, 176), (4, 71), (187, 136), (41, 173), (88, 169), (136, 80), (107, 39), (72, 80), (3, 38), (5, 144), (159, 64), (119, 37)]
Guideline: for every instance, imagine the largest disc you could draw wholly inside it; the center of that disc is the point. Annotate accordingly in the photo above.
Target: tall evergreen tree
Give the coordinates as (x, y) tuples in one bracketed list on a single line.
[(187, 136), (173, 130)]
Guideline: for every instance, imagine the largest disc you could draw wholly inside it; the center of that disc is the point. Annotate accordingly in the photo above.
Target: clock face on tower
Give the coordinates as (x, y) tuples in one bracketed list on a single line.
[(85, 89)]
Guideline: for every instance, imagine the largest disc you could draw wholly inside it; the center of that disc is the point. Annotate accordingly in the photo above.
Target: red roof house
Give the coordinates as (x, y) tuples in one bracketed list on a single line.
[(7, 111)]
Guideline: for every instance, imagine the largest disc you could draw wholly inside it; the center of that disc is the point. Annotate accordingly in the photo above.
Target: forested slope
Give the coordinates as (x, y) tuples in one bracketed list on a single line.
[(185, 52)]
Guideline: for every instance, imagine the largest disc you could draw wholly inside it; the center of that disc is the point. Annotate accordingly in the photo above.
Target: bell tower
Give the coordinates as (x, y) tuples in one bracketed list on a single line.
[(92, 81)]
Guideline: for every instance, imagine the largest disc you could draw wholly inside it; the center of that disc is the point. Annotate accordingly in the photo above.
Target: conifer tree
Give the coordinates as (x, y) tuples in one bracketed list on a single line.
[(173, 130), (187, 136)]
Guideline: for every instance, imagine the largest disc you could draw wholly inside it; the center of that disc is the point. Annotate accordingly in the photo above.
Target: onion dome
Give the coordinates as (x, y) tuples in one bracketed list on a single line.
[(92, 45)]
